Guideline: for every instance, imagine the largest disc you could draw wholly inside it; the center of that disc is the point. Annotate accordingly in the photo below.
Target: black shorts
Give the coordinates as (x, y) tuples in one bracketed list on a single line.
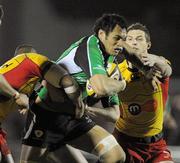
[(51, 130)]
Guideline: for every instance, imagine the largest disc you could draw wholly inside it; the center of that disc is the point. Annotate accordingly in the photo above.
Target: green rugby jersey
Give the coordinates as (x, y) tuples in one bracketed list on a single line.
[(84, 59)]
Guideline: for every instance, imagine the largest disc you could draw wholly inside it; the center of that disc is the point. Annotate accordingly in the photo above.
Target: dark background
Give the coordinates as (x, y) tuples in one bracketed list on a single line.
[(52, 25)]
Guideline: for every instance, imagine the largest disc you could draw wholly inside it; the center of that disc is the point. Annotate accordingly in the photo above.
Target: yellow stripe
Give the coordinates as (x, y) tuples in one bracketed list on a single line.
[(11, 64), (14, 62)]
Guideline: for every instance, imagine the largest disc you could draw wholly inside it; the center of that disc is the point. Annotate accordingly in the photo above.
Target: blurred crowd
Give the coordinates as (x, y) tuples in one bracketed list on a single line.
[(171, 120)]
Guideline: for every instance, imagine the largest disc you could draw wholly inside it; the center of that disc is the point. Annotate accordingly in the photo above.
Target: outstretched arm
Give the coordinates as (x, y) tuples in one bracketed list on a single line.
[(106, 86), (133, 56), (152, 66), (6, 88), (146, 62)]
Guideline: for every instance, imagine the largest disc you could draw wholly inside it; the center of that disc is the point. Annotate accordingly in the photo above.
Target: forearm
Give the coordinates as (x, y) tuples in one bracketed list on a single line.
[(73, 91), (6, 88), (70, 87), (105, 86), (160, 63), (133, 56), (58, 77), (112, 86)]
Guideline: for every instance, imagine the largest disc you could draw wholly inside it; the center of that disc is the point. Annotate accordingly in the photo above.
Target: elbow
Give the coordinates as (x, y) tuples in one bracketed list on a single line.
[(167, 72)]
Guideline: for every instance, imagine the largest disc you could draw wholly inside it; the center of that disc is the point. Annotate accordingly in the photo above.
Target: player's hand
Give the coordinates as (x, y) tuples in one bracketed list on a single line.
[(23, 111), (128, 48), (155, 82), (149, 59), (90, 111), (154, 75), (23, 101)]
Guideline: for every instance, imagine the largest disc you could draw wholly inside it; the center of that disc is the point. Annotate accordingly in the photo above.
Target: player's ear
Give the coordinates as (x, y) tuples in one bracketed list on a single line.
[(149, 45), (101, 35)]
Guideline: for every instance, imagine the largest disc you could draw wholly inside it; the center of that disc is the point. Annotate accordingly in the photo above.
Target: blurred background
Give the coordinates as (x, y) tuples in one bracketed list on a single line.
[(52, 25)]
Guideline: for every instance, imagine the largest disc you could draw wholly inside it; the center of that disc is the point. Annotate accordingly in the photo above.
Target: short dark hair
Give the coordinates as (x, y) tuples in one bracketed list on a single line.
[(107, 22), (24, 48), (139, 26)]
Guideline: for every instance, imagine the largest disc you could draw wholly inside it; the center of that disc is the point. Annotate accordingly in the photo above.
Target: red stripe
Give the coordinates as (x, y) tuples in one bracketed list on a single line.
[(165, 88), (22, 73)]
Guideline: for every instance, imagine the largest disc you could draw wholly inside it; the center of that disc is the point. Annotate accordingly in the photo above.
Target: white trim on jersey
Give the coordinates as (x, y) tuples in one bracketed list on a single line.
[(88, 54), (68, 62)]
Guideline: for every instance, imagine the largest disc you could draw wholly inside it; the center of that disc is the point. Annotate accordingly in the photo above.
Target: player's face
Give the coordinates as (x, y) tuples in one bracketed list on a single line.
[(111, 40), (137, 40)]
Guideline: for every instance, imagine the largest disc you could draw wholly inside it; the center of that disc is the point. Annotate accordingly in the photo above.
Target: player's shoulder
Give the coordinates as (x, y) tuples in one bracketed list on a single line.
[(92, 40), (12, 63), (37, 58)]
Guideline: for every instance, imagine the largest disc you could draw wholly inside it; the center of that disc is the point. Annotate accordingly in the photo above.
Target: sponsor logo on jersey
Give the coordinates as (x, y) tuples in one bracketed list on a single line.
[(134, 109)]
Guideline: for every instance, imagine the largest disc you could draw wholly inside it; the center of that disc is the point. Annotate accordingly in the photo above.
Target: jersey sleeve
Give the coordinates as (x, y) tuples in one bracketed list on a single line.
[(110, 101), (43, 93), (113, 100), (95, 57)]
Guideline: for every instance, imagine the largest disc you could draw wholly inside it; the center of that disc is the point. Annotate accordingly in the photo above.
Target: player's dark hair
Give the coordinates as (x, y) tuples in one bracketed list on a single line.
[(107, 23)]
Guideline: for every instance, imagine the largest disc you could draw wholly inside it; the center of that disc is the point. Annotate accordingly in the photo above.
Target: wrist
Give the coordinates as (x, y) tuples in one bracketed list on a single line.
[(16, 95)]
